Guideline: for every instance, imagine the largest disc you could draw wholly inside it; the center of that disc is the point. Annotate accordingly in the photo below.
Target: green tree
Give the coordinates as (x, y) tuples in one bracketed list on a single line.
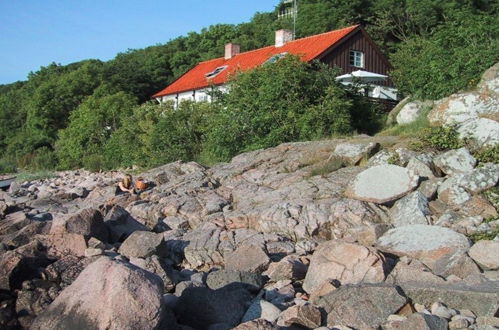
[(91, 125)]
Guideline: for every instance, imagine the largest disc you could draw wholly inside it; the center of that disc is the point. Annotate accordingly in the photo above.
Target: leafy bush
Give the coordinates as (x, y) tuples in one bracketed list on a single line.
[(275, 103), (441, 138), (94, 162), (130, 144), (179, 134), (331, 117)]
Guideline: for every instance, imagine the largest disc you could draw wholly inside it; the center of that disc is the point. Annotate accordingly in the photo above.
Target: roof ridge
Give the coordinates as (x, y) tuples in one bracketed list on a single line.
[(292, 41)]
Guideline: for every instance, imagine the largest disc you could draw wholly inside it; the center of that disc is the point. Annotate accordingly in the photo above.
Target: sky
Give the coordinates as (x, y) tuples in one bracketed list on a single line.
[(35, 33)]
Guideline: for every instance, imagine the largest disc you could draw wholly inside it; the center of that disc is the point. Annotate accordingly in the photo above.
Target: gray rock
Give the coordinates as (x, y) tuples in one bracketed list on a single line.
[(475, 181), (201, 307), (410, 112), (88, 223), (221, 278), (435, 246), (107, 295), (419, 168), (353, 153), (486, 254), (288, 268), (410, 210), (366, 235), (261, 309), (455, 161), (259, 324), (21, 264), (429, 188), (157, 266), (121, 224), (484, 132), (376, 302), (482, 299), (143, 244), (247, 259), (418, 321), (382, 184), (345, 262), (307, 316)]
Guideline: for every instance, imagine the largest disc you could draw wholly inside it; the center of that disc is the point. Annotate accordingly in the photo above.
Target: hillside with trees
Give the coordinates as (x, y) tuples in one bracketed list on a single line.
[(99, 114)]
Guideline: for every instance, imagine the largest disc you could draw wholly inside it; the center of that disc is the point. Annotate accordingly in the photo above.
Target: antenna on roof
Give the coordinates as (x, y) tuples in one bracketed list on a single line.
[(295, 13)]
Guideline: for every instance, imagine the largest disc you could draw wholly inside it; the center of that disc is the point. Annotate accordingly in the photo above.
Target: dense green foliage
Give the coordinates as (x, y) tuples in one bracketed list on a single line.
[(96, 114), (447, 61)]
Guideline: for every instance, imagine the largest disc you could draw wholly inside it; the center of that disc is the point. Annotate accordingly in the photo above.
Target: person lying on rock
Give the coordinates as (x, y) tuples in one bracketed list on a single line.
[(125, 185)]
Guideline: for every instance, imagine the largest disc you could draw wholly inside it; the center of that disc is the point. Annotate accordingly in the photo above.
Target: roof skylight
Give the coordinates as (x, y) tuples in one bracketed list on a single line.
[(215, 72), (276, 58)]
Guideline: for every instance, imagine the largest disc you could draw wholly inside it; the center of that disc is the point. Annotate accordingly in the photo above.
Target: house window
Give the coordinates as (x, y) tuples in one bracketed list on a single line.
[(357, 58), (216, 71)]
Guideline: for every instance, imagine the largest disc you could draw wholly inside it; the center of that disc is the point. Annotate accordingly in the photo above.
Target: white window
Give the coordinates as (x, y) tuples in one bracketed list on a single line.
[(357, 58), (216, 71)]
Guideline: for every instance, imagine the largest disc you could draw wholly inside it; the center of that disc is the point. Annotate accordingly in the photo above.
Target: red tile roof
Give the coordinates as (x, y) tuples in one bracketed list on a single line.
[(307, 48)]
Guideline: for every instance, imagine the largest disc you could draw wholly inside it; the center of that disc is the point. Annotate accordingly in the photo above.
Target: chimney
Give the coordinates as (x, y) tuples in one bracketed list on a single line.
[(282, 37), (231, 50)]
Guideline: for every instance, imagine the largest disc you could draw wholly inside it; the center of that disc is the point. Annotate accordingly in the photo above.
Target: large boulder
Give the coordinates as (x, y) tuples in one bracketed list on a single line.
[(347, 263), (475, 114), (107, 295), (437, 247), (382, 184), (362, 306)]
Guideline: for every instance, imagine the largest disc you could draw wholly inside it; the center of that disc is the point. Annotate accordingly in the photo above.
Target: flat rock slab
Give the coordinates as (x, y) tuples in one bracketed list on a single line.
[(362, 306), (142, 244), (382, 184), (482, 299), (247, 259), (435, 246), (344, 262)]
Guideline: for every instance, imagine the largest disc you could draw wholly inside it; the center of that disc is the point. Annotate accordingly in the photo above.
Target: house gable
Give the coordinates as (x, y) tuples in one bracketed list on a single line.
[(373, 60)]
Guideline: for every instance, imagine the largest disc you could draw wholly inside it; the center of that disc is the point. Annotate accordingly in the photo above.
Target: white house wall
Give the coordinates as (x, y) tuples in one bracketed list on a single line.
[(198, 95)]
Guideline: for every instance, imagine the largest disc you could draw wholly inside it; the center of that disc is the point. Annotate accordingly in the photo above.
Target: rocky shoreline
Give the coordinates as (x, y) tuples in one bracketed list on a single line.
[(339, 234)]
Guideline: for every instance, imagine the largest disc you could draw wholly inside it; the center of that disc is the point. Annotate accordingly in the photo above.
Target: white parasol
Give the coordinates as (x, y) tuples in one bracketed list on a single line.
[(363, 76)]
